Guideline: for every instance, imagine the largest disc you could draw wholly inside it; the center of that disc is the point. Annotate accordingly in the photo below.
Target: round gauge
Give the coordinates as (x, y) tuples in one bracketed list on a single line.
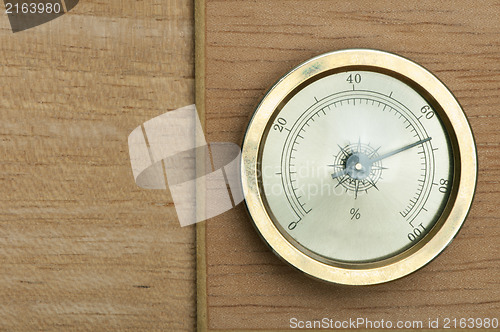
[(358, 167)]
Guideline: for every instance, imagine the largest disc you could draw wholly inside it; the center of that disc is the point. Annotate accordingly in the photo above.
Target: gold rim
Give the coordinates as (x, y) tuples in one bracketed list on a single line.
[(464, 153)]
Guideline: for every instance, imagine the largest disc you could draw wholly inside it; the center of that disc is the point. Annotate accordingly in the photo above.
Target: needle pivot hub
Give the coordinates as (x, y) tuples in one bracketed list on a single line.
[(358, 166)]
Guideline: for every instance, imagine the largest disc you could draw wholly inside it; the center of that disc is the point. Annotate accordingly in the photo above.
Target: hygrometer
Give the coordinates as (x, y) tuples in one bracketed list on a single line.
[(358, 167)]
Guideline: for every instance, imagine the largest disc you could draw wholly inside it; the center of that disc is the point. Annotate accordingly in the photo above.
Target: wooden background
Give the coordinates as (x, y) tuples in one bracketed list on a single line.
[(248, 45), (81, 246)]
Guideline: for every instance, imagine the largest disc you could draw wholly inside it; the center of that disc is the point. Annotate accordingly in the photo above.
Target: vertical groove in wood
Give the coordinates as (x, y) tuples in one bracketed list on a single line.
[(201, 267)]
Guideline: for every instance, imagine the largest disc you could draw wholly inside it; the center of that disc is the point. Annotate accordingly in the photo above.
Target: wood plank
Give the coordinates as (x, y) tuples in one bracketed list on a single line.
[(249, 45), (81, 246)]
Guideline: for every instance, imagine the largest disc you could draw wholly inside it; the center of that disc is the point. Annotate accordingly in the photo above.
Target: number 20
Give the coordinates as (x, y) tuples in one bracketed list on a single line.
[(280, 125)]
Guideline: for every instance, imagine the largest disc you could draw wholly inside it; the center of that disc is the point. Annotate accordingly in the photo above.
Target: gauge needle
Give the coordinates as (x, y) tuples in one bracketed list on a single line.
[(370, 162), (409, 146)]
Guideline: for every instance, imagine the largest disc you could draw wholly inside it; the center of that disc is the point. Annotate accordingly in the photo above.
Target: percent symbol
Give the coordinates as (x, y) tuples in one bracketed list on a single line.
[(355, 213)]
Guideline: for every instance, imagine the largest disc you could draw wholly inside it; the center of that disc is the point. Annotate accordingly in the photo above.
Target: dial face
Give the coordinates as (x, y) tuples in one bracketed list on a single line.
[(355, 166)]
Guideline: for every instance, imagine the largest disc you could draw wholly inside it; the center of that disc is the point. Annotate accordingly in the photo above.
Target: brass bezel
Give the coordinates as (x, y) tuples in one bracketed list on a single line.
[(462, 143)]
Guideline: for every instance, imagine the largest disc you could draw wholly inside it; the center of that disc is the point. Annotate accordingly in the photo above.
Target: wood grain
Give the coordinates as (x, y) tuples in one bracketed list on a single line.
[(248, 46), (81, 246)]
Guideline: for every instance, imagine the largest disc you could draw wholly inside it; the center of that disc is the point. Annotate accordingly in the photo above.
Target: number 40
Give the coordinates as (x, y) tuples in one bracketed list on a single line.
[(354, 79)]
